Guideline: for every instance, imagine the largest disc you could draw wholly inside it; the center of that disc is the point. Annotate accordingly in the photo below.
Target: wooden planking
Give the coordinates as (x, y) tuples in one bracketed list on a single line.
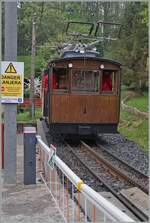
[(84, 109), (88, 64), (137, 198)]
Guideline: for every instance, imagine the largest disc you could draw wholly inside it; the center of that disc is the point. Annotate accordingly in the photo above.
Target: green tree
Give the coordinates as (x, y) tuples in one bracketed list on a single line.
[(132, 48), (51, 18)]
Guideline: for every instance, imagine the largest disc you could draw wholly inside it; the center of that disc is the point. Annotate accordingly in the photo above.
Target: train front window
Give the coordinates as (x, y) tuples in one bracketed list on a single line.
[(85, 81), (108, 81), (60, 79)]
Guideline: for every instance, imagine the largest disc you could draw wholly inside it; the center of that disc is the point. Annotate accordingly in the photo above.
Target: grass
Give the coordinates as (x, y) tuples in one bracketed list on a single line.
[(133, 127), (140, 103), (24, 117)]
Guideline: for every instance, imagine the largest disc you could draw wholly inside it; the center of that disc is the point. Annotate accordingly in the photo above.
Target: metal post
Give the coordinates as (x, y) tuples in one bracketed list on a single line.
[(29, 155), (2, 144), (32, 108), (10, 109), (0, 82)]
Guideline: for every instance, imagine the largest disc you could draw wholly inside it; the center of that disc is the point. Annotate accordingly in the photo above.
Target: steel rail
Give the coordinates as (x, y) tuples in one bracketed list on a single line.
[(123, 161), (112, 168), (132, 208)]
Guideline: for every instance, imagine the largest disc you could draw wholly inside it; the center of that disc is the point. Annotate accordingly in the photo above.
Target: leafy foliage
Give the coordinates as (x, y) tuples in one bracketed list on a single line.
[(132, 49), (51, 18)]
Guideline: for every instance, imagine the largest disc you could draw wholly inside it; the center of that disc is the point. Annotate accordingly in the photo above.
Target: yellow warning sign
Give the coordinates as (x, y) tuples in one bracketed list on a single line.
[(12, 77), (12, 85), (10, 69)]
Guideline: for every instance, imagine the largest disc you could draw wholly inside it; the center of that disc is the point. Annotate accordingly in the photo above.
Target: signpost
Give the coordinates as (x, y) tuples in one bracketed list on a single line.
[(52, 155), (10, 125), (12, 74)]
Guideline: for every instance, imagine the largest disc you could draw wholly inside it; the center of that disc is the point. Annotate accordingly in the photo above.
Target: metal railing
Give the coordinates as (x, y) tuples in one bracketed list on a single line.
[(77, 202)]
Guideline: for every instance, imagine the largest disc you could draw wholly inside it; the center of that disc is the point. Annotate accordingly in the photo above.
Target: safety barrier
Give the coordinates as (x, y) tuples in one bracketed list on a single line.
[(76, 201)]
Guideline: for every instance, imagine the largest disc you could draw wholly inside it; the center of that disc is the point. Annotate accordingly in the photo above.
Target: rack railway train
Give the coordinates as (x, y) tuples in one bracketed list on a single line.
[(81, 92)]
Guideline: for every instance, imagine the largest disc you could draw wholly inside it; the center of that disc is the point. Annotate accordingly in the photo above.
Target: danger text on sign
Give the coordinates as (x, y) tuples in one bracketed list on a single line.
[(12, 76)]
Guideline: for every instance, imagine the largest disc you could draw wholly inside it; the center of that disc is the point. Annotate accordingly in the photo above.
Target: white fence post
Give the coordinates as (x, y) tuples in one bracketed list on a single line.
[(67, 176)]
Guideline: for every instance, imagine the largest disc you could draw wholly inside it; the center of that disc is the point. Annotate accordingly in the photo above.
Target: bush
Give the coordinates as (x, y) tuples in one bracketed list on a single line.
[(20, 110), (27, 93)]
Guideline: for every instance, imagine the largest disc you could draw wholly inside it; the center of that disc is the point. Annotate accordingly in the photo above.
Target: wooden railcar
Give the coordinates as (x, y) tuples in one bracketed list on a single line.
[(77, 99)]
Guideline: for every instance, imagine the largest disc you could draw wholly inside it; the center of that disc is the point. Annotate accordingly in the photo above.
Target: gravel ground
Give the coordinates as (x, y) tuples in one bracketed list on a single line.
[(76, 167), (127, 150), (103, 174), (132, 173)]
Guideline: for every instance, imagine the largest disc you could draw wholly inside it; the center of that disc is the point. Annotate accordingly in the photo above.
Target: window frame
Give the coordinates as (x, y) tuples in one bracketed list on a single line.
[(116, 81), (85, 92), (59, 90), (69, 90)]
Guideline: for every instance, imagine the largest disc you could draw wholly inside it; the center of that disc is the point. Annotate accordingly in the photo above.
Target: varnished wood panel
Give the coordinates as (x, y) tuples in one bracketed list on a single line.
[(84, 109), (88, 64)]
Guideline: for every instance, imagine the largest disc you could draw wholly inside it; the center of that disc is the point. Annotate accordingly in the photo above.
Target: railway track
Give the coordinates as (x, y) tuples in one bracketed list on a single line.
[(128, 172), (113, 179), (76, 158)]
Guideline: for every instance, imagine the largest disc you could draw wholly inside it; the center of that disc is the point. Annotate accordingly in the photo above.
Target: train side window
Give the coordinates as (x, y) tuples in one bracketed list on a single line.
[(54, 81), (85, 81), (60, 81), (108, 81)]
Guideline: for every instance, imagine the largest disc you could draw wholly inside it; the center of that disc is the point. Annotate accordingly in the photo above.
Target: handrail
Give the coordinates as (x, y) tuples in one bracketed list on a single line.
[(100, 202)]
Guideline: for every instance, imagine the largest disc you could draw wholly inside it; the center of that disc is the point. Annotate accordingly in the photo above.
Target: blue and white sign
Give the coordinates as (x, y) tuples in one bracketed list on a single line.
[(52, 156)]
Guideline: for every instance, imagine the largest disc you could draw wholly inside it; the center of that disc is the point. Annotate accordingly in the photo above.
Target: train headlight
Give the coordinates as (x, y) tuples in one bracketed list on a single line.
[(82, 51), (70, 65)]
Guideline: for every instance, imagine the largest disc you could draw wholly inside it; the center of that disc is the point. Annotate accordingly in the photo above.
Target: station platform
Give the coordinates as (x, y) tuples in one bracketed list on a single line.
[(26, 203)]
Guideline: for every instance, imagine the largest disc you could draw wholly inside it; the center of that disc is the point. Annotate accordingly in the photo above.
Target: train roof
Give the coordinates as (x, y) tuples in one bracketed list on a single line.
[(85, 58)]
